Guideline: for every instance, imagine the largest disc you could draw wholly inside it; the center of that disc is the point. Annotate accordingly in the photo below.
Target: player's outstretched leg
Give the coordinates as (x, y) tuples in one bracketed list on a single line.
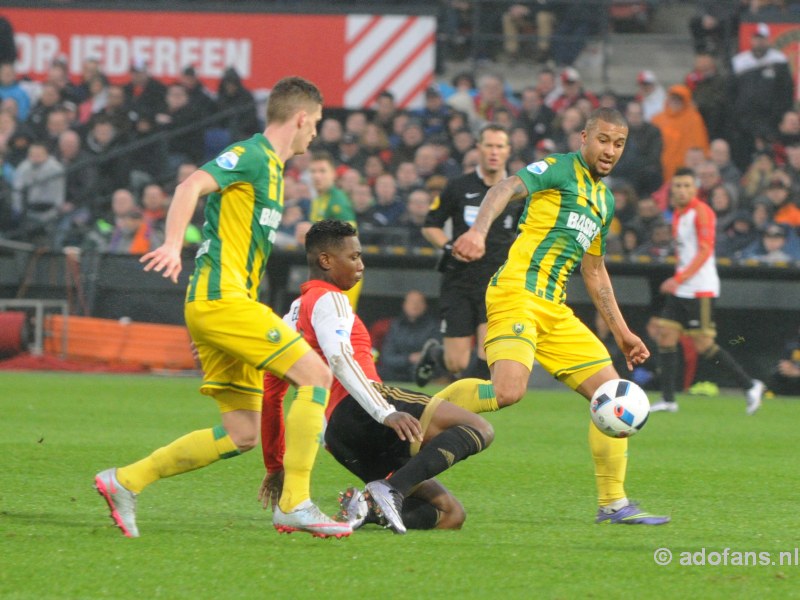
[(121, 501), (610, 457)]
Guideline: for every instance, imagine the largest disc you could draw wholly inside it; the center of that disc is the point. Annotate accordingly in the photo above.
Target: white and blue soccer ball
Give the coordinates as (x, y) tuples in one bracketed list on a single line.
[(619, 408)]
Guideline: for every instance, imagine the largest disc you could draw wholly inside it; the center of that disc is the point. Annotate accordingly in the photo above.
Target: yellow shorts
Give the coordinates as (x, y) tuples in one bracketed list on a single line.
[(237, 338), (522, 326)]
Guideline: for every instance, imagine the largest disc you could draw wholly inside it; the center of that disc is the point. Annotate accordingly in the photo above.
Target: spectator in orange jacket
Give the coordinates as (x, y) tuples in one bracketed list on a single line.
[(681, 126)]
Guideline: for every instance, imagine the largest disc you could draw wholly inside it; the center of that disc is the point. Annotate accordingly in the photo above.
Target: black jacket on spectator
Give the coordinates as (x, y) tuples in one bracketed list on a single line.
[(81, 181), (152, 156), (232, 95), (149, 100), (191, 143), (403, 338), (640, 164), (710, 95)]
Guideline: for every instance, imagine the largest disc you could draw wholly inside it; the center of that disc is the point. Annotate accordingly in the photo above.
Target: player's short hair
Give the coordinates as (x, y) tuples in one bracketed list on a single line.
[(683, 172), (325, 235), (288, 96), (491, 127), (323, 155), (607, 115)]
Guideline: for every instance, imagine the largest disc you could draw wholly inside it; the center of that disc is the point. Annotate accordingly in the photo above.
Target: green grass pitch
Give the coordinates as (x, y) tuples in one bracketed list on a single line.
[(727, 480)]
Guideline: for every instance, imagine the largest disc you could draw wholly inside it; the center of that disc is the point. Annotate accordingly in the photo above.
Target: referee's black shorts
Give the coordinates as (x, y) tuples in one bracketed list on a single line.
[(462, 305), (371, 450)]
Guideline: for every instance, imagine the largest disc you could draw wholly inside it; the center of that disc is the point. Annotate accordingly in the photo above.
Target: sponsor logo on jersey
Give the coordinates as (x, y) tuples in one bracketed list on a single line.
[(341, 333), (538, 168), (587, 229), (273, 335), (228, 160), (472, 195), (270, 217)]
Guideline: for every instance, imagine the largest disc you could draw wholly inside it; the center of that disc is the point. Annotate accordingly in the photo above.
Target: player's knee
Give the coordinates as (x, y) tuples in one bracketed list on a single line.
[(452, 513), (486, 431), (508, 393), (245, 440), (322, 378), (455, 364)]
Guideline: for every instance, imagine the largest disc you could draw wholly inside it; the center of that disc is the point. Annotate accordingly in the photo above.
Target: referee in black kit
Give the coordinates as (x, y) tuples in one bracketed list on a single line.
[(462, 298)]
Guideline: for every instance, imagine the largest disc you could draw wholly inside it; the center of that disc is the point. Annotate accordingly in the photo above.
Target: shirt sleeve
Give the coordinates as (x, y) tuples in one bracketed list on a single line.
[(235, 164), (272, 429), (441, 208), (332, 319), (539, 175)]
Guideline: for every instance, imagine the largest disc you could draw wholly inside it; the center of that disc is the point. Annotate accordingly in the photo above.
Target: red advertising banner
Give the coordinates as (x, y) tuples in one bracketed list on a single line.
[(784, 37), (351, 57)]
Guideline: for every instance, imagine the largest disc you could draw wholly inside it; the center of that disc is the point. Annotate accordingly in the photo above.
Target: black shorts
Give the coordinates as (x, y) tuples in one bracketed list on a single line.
[(694, 315), (371, 450), (462, 306)]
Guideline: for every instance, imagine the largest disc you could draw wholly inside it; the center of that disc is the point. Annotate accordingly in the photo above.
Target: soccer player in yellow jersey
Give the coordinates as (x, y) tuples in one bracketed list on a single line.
[(236, 336), (565, 220)]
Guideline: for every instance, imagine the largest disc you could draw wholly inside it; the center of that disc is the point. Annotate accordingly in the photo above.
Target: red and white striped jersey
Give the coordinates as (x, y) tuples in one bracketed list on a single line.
[(693, 229)]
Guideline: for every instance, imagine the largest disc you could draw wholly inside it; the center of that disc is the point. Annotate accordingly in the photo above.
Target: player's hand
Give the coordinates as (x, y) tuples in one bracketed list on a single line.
[(469, 246), (787, 368), (166, 259), (634, 349), (670, 286), (195, 355), (270, 491), (405, 426)]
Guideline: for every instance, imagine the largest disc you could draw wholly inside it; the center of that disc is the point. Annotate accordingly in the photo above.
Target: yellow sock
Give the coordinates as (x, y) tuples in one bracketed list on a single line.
[(190, 452), (303, 429), (610, 463), (476, 395)]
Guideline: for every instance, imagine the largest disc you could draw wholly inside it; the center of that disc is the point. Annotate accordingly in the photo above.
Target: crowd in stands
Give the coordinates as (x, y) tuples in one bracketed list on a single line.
[(92, 164)]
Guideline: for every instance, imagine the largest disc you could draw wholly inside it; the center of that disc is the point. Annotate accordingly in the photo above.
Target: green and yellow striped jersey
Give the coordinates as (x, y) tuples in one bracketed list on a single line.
[(567, 214), (240, 221)]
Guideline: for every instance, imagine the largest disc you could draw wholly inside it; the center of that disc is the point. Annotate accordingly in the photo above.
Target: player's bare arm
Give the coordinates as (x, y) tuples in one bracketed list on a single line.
[(166, 259), (435, 236), (598, 284), (471, 245)]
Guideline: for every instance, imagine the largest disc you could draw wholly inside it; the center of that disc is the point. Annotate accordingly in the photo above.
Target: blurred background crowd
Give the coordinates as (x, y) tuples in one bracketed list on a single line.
[(90, 164)]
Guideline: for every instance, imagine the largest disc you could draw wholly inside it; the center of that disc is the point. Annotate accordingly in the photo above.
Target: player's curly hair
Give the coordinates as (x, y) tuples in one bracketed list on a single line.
[(326, 235)]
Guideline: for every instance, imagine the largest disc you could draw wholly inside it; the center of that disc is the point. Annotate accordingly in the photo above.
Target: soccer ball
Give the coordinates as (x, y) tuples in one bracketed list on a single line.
[(619, 408)]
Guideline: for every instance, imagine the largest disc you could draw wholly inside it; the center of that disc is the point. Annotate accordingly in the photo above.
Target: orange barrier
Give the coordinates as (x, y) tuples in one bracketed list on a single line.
[(120, 342), (12, 333)]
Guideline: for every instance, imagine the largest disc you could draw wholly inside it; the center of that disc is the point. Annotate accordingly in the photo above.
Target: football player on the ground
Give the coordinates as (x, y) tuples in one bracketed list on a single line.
[(394, 440)]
